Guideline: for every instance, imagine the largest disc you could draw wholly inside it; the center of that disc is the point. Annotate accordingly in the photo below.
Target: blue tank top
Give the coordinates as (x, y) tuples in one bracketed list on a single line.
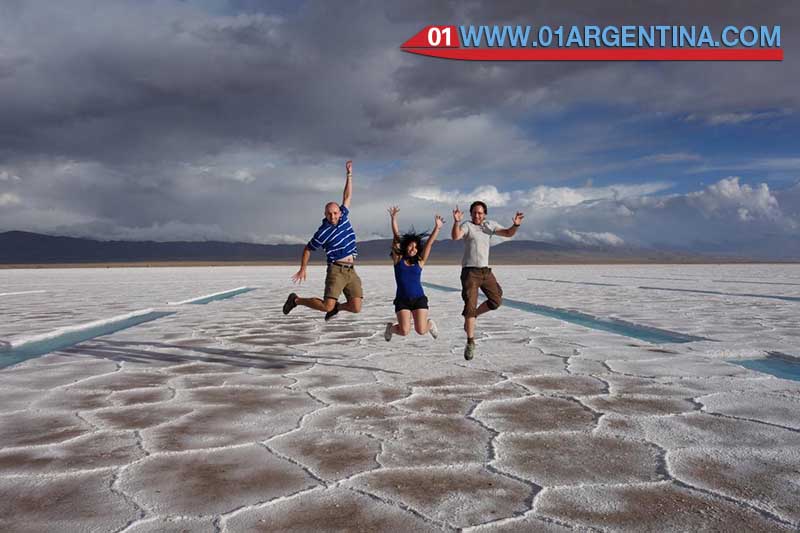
[(409, 280)]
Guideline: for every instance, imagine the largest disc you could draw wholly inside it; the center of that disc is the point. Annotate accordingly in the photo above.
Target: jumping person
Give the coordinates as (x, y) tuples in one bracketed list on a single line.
[(475, 272), (337, 238), (410, 300)]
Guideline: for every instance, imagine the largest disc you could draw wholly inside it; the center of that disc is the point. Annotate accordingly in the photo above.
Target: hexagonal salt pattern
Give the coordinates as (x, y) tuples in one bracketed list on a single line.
[(333, 509), (552, 459), (224, 479), (233, 417), (67, 502), (767, 479), (458, 497), (651, 507)]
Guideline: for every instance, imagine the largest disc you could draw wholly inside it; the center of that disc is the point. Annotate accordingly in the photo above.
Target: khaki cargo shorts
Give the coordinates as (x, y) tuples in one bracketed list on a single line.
[(473, 279), (342, 279)]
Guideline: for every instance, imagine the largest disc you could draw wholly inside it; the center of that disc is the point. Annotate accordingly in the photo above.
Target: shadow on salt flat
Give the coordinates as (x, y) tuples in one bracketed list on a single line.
[(149, 352), (157, 352)]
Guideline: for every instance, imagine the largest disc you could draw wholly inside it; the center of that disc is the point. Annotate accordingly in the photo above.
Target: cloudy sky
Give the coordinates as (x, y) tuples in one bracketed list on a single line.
[(231, 120)]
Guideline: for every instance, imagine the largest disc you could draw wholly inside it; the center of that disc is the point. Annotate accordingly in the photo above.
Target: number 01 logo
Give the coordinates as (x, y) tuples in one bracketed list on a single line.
[(435, 35)]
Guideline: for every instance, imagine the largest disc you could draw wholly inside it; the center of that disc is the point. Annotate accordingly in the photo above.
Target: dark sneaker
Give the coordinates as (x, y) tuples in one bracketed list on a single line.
[(332, 313), (469, 351), (290, 303), (387, 333)]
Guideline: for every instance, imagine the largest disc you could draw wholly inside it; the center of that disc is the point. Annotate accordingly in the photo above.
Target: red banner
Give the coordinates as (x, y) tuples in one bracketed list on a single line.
[(443, 42)]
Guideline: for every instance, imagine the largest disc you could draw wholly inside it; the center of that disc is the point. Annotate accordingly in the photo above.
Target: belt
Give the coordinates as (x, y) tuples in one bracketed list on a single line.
[(482, 269), (343, 265)]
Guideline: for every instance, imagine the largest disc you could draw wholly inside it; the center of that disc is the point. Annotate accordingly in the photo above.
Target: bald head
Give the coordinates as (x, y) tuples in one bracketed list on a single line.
[(332, 213)]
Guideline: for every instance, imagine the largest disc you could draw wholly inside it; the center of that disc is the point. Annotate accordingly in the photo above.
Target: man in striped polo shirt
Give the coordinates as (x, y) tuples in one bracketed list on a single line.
[(337, 238)]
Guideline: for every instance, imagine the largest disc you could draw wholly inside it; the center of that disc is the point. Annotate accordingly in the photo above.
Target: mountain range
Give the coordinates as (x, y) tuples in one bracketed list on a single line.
[(25, 248)]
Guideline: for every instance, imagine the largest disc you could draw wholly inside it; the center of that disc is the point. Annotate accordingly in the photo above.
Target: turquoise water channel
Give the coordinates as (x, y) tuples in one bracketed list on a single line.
[(35, 348), (60, 341), (219, 296), (611, 325), (776, 364)]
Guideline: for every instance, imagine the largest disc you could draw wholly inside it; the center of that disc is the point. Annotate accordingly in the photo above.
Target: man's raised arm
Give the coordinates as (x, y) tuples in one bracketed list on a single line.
[(348, 185), (510, 231), (456, 232)]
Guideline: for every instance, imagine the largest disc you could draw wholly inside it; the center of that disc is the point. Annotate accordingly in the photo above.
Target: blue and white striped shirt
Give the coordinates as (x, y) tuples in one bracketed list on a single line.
[(338, 241)]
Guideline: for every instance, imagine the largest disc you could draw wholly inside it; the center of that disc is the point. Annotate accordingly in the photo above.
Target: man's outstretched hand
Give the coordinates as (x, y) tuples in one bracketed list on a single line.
[(457, 214), (349, 167), (518, 218), (299, 276)]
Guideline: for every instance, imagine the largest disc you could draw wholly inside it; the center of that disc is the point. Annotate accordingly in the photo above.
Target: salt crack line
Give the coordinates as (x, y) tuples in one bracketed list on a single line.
[(529, 514), (754, 420), (307, 469), (388, 501), (492, 458), (224, 517), (742, 504)]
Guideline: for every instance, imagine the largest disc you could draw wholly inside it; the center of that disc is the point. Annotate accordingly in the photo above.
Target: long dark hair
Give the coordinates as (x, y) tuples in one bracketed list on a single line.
[(400, 246)]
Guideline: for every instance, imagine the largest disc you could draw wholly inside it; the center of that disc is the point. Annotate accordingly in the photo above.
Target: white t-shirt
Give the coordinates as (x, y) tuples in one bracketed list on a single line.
[(477, 240)]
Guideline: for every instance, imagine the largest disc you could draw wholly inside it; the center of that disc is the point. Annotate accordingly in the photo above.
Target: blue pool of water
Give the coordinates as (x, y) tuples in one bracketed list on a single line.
[(32, 349), (220, 296), (776, 364), (611, 325)]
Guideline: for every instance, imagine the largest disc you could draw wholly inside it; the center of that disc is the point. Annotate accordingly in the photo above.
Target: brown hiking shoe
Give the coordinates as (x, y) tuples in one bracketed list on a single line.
[(469, 351)]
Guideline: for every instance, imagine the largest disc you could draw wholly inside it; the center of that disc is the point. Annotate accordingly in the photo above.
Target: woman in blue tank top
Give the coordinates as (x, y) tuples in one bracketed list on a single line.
[(409, 256)]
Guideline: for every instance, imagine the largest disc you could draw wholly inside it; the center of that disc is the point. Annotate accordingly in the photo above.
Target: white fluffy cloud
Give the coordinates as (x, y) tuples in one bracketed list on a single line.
[(7, 199), (485, 193), (541, 196), (733, 118), (728, 196), (555, 197), (8, 176), (729, 216), (592, 238)]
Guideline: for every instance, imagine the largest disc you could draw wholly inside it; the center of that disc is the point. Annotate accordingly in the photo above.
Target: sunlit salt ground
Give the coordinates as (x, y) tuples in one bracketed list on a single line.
[(231, 416)]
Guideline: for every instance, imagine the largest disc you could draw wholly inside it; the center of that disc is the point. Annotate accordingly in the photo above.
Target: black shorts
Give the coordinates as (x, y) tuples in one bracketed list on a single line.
[(410, 304)]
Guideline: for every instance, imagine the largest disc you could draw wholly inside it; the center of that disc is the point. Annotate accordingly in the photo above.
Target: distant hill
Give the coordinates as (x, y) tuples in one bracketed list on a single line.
[(20, 247)]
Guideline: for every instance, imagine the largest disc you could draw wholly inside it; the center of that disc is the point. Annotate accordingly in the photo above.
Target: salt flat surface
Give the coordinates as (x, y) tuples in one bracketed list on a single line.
[(231, 416)]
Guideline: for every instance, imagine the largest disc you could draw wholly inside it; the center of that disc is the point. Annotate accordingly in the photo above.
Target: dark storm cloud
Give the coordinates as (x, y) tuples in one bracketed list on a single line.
[(215, 119)]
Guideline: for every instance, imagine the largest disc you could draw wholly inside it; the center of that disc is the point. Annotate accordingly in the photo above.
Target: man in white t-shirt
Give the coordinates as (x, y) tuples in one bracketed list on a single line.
[(475, 272)]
